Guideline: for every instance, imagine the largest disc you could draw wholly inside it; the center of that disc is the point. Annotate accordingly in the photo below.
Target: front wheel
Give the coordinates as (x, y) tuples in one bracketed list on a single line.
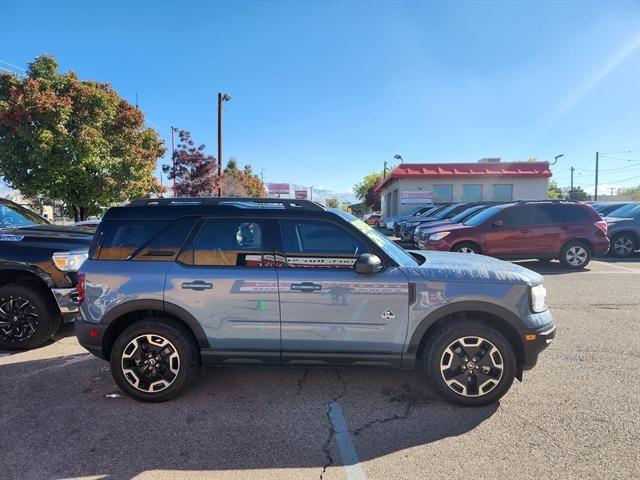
[(466, 247), (623, 245), (154, 360), (470, 363), (575, 255)]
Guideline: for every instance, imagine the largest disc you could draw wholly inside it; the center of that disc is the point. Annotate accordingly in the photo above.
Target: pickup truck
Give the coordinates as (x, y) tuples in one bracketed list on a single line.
[(38, 274)]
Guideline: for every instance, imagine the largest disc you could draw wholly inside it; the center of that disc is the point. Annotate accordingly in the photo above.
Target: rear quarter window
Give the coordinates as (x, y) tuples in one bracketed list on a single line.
[(577, 213)]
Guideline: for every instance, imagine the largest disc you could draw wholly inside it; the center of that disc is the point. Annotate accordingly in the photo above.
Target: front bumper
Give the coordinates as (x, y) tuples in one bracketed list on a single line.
[(534, 342), (67, 300), (90, 336)]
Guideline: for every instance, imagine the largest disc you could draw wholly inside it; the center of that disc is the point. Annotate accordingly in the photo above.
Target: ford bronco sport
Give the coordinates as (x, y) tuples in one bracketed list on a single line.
[(171, 284)]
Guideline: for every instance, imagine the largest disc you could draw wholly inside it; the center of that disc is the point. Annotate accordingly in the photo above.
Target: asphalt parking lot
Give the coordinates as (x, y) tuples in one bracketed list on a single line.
[(576, 415)]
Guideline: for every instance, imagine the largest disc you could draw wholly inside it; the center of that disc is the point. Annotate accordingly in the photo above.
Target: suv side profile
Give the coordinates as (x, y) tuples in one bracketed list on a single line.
[(170, 285), (624, 230), (570, 231)]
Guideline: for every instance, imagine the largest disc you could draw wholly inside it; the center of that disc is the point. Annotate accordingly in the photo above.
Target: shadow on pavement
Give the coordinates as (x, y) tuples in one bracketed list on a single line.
[(57, 420)]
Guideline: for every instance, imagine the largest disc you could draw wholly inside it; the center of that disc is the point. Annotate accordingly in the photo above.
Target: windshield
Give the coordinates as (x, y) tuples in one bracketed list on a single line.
[(466, 214), (12, 215), (400, 256), (631, 210), (483, 216), (444, 211)]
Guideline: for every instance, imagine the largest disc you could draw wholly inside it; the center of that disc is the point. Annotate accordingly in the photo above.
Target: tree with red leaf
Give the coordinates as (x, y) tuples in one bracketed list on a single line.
[(194, 171)]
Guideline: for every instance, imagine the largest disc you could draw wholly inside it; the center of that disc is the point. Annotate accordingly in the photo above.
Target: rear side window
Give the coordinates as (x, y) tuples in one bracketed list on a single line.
[(227, 243), (576, 213), (547, 214)]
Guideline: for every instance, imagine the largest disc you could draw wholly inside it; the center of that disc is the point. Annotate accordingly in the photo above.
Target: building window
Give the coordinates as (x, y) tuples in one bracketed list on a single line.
[(442, 193), (502, 193), (394, 207), (472, 193)]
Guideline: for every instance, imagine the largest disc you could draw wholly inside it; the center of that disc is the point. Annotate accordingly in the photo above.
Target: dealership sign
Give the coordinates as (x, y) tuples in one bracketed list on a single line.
[(415, 196), (278, 188), (301, 194)]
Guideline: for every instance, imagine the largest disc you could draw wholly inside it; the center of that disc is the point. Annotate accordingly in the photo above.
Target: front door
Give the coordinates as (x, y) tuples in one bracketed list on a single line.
[(508, 233), (222, 279), (326, 307)]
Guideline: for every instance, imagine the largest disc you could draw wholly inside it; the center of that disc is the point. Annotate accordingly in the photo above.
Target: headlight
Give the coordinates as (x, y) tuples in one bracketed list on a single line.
[(538, 297), (69, 261), (438, 236)]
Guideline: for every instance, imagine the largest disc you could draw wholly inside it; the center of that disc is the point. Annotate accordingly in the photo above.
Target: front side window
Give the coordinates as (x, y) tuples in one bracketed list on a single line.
[(515, 217), (442, 193), (319, 244), (502, 193), (227, 243)]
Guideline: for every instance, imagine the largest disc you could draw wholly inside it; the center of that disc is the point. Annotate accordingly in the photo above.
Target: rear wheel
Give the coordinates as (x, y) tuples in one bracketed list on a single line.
[(575, 255), (466, 247), (154, 360), (28, 318), (470, 363), (623, 245)]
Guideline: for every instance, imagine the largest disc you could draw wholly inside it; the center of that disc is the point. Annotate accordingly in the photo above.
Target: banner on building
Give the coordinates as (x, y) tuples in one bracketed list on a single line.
[(278, 188), (301, 194), (415, 196)]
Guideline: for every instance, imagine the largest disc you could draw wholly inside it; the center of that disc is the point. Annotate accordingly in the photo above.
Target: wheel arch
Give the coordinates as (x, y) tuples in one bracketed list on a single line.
[(503, 320), (128, 313), (634, 234), (473, 242), (15, 274), (584, 241)]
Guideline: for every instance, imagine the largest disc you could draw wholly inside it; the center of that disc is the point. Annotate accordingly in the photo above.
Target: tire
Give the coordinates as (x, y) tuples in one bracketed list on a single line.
[(575, 255), (473, 337), (33, 316), (176, 368), (465, 247), (623, 245)]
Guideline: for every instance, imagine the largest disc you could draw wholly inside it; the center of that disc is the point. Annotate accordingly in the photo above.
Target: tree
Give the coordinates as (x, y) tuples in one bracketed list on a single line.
[(578, 194), (241, 183), (632, 193), (331, 202), (252, 183), (555, 192), (364, 190), (194, 171), (73, 140)]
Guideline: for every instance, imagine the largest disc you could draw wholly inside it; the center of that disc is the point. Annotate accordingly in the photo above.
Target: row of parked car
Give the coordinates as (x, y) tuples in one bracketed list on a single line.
[(569, 231)]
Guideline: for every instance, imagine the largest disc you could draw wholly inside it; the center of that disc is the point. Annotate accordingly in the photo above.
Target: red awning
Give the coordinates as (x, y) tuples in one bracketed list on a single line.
[(467, 170)]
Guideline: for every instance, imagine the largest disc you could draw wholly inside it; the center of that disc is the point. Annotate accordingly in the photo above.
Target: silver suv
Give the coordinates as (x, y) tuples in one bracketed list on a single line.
[(173, 284)]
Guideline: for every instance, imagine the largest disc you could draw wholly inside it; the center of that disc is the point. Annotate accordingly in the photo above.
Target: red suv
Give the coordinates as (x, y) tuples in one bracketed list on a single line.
[(570, 231)]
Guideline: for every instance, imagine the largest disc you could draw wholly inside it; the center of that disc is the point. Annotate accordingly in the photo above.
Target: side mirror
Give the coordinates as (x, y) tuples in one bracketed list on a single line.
[(499, 223), (368, 263)]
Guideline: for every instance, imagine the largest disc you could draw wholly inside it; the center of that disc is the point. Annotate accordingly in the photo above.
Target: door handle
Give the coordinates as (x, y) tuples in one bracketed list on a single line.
[(306, 287), (524, 230), (197, 285)]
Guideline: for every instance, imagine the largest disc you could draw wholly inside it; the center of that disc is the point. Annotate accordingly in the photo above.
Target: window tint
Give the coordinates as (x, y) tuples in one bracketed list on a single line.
[(502, 193), (310, 243), (575, 213), (442, 193), (223, 242), (124, 238), (472, 193), (547, 214), (167, 243), (516, 216)]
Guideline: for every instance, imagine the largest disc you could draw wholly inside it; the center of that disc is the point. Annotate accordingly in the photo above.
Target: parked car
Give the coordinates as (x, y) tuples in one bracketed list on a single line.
[(408, 226), (389, 222), (569, 231), (373, 219), (624, 230), (605, 208), (172, 284), (418, 234), (38, 265), (399, 223), (88, 224)]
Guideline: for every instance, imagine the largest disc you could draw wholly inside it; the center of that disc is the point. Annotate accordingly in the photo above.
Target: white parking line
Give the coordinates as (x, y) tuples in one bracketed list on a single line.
[(634, 270), (350, 460)]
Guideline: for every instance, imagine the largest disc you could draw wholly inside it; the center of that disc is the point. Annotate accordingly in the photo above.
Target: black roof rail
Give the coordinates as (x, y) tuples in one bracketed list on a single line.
[(240, 202)]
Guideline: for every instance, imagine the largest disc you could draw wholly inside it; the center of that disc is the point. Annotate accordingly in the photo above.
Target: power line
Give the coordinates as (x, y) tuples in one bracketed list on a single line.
[(14, 66)]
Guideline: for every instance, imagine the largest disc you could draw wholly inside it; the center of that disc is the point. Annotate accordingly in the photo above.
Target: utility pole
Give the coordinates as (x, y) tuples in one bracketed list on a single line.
[(384, 174), (572, 169), (222, 97), (173, 159), (595, 196), (311, 195)]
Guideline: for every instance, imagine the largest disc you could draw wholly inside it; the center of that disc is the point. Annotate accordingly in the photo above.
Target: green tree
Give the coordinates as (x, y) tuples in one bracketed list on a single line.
[(579, 194), (364, 190), (632, 193), (73, 140), (555, 192)]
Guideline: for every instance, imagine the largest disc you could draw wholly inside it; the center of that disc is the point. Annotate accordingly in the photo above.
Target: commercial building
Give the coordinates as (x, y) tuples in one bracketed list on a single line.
[(412, 184)]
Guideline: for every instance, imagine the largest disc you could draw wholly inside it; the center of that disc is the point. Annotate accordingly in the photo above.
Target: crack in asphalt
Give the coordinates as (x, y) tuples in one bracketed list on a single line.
[(332, 432), (301, 381)]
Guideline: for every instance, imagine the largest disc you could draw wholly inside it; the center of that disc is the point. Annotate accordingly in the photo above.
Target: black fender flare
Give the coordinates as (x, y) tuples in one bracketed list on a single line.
[(409, 358), (179, 312), (25, 267)]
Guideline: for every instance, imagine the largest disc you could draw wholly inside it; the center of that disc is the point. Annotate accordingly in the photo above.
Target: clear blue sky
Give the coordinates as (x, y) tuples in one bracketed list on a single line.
[(324, 92)]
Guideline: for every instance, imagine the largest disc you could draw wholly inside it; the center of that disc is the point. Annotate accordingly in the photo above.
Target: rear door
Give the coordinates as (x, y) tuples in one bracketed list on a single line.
[(548, 229), (508, 233), (223, 280), (327, 309)]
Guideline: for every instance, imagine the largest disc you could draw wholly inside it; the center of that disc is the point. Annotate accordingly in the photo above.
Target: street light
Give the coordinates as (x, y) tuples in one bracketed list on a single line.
[(398, 157), (556, 158), (222, 97)]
